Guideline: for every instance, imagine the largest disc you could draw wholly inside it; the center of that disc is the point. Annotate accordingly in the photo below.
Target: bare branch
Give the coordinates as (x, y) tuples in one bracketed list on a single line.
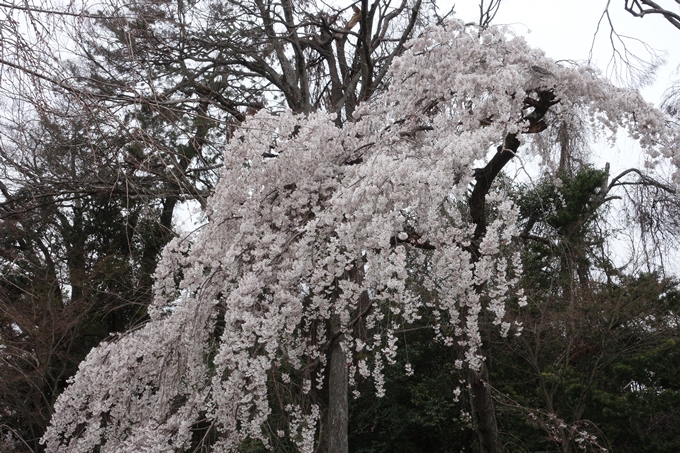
[(637, 9)]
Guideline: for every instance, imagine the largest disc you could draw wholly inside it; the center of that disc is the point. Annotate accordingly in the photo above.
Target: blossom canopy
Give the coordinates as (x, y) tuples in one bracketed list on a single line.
[(318, 232)]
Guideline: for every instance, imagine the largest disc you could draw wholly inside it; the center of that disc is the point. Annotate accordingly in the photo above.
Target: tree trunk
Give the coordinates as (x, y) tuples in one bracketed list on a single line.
[(483, 412), (338, 410), (481, 401)]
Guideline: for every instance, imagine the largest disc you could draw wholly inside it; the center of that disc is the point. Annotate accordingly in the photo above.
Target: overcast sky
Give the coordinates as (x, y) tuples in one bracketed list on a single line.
[(564, 29)]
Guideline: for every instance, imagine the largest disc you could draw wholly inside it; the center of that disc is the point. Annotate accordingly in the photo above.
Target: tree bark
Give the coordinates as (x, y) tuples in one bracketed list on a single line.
[(337, 416), (481, 400), (338, 407), (483, 411)]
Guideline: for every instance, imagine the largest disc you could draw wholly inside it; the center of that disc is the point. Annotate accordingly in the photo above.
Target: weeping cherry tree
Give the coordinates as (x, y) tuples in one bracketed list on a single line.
[(324, 242)]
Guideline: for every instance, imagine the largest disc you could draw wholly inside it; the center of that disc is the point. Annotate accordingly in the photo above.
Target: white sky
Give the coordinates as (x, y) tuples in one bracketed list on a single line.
[(564, 29)]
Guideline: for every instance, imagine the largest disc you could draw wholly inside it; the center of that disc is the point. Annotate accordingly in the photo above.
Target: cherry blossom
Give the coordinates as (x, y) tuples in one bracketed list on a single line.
[(319, 234)]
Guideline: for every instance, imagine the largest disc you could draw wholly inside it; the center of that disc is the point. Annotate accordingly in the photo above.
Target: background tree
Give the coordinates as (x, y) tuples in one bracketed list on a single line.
[(75, 266), (585, 316)]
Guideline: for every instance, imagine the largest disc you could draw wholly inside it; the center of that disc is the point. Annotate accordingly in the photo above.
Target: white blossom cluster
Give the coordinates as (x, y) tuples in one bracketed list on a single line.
[(363, 228)]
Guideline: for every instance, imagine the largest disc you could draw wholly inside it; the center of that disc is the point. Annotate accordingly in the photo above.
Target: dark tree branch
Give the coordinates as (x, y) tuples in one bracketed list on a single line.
[(637, 9), (644, 180)]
